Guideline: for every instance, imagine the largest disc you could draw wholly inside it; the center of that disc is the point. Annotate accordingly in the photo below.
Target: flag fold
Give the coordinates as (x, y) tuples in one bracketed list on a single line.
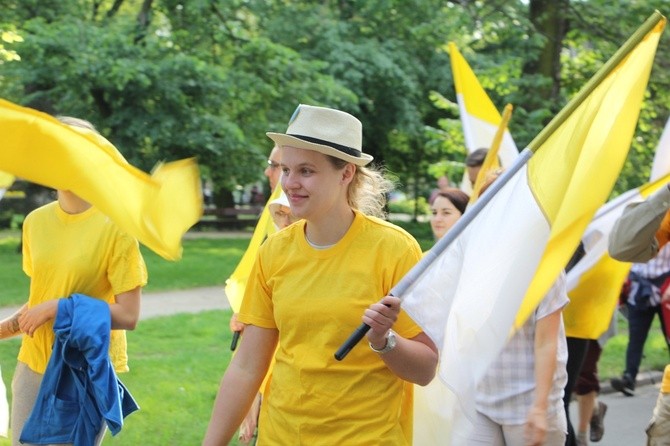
[(157, 209)]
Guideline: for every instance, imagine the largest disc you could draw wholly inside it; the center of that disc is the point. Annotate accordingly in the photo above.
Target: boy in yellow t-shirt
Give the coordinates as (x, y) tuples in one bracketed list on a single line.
[(70, 247)]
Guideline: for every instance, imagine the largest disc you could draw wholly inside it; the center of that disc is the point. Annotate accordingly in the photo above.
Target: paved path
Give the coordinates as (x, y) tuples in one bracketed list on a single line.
[(170, 302), (626, 417), (183, 301)]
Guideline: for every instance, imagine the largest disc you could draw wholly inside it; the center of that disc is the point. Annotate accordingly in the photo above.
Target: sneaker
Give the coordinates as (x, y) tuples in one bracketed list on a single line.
[(596, 426), (624, 385)]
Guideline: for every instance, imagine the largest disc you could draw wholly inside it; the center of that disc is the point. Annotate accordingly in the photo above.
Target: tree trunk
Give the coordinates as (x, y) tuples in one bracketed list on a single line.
[(549, 18)]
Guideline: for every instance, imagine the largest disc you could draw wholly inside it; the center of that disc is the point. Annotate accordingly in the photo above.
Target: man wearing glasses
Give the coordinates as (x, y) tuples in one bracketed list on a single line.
[(273, 172)]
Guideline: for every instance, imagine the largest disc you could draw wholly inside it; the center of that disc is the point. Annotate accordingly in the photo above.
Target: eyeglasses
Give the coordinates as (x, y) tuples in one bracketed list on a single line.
[(273, 164)]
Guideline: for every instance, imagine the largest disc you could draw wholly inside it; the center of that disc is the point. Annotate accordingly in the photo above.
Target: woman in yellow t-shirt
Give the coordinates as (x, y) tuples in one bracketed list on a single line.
[(307, 291), (70, 247)]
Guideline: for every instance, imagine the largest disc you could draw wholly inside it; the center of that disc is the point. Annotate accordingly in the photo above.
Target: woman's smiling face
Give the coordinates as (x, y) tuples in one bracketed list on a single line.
[(444, 216)]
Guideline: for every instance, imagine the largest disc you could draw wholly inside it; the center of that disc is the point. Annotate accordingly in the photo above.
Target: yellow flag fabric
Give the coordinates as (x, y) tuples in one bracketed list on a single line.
[(594, 283), (528, 224), (237, 281), (480, 118), (595, 138), (157, 209), (661, 164), (491, 161), (6, 180)]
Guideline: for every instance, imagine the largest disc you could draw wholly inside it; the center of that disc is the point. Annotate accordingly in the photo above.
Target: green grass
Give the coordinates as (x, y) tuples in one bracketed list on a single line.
[(14, 282), (613, 358), (205, 262), (177, 362)]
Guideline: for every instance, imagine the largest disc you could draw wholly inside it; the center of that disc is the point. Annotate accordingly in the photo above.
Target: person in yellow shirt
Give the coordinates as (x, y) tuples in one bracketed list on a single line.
[(70, 247), (281, 214), (311, 285)]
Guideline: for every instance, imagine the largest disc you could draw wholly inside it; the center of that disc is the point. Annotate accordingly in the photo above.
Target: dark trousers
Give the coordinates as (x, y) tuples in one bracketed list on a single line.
[(588, 381), (577, 348), (639, 323)]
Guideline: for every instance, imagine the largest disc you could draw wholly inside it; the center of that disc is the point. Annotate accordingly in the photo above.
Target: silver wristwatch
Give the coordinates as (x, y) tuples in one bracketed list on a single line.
[(391, 342)]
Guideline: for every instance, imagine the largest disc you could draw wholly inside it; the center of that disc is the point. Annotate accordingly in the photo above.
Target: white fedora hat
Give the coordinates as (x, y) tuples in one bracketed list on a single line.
[(325, 130)]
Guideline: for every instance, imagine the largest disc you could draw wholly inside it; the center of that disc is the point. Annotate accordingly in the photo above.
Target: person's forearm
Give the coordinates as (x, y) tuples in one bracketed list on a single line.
[(125, 311), (240, 384), (9, 327), (233, 401), (545, 367), (412, 360)]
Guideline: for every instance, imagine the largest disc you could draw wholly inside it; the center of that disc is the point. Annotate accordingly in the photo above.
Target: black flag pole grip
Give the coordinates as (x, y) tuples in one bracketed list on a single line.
[(353, 339), (233, 343), (351, 342)]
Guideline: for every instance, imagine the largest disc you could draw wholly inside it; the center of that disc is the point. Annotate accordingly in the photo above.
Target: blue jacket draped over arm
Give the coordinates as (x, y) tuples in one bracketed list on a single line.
[(80, 389)]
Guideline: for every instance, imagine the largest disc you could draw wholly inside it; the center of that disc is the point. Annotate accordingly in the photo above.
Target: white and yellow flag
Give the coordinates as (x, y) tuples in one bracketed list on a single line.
[(479, 117), (594, 283), (492, 161), (237, 282), (156, 209), (496, 264)]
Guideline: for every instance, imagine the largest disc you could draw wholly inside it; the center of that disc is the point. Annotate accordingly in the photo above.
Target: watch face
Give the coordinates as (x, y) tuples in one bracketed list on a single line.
[(391, 342)]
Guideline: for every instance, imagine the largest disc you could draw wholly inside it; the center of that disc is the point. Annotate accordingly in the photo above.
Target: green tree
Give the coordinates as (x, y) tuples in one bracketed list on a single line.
[(126, 69), (167, 79)]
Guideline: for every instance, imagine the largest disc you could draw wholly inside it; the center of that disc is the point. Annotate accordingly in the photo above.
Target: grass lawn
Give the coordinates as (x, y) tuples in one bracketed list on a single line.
[(177, 362)]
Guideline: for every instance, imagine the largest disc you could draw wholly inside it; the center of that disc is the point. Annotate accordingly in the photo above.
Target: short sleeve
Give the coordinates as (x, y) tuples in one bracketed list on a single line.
[(257, 307), (127, 269), (555, 299)]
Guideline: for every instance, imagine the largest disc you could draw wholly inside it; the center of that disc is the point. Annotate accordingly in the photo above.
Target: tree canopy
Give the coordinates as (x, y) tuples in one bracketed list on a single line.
[(169, 79)]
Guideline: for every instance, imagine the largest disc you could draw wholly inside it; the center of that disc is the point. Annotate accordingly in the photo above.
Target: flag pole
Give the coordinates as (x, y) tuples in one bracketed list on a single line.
[(412, 275), (491, 159), (401, 287)]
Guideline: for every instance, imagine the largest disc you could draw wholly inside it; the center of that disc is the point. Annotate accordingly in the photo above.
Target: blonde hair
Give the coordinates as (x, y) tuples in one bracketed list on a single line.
[(367, 191)]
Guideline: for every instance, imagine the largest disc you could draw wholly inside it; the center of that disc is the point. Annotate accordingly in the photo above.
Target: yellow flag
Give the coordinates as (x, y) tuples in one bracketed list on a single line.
[(594, 138), (237, 281), (480, 118), (492, 161), (156, 209), (6, 180)]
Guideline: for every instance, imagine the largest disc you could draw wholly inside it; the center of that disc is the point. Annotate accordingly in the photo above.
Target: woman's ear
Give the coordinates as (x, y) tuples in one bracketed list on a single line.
[(348, 173)]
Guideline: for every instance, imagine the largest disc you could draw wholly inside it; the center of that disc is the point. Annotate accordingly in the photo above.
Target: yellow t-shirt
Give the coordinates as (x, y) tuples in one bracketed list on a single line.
[(76, 253), (316, 298)]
